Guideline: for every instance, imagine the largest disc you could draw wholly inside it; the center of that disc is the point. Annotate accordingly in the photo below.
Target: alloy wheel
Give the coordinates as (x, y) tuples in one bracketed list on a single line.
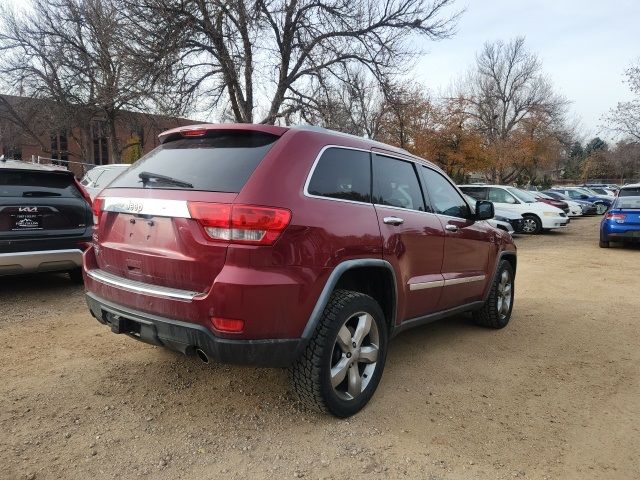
[(355, 355), (529, 225), (505, 288)]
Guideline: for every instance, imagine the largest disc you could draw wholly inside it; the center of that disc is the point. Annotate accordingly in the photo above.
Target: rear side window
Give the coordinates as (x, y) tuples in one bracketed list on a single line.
[(219, 162), (479, 193), (26, 183), (343, 174), (396, 184), (629, 192)]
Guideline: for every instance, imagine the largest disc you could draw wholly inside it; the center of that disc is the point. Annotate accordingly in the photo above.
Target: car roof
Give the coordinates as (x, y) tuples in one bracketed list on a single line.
[(21, 165), (631, 185), (111, 165), (279, 131)]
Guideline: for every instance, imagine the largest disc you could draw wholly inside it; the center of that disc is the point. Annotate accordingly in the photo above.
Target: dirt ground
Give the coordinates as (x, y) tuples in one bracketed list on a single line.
[(556, 394)]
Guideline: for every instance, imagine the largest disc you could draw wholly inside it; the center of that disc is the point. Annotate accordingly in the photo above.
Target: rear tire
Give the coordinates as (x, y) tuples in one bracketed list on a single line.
[(341, 367), (76, 276), (531, 224), (496, 312)]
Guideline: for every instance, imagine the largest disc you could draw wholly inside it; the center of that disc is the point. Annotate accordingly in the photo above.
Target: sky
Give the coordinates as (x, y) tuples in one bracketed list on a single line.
[(584, 46)]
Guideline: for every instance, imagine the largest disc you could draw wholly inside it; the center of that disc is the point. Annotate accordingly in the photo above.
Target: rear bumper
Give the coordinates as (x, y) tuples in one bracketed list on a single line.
[(40, 261), (621, 232), (187, 337)]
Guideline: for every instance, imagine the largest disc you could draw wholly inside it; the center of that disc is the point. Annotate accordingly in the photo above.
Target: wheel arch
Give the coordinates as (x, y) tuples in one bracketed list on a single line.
[(371, 276)]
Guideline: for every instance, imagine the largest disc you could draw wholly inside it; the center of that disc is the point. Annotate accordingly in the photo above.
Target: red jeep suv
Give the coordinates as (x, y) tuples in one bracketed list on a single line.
[(296, 247)]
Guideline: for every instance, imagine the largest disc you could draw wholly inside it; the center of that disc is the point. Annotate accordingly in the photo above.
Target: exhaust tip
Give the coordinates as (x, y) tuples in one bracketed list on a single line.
[(202, 356)]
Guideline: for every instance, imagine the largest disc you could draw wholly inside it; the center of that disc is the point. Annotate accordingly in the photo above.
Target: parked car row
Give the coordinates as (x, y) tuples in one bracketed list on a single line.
[(537, 216)]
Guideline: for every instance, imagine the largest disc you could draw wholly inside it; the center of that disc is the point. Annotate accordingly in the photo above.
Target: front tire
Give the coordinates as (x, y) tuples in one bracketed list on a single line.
[(531, 224), (342, 365), (604, 244), (496, 312)]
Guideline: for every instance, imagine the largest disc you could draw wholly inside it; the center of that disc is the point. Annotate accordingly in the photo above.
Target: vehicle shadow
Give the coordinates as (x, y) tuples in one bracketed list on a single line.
[(42, 281), (215, 390)]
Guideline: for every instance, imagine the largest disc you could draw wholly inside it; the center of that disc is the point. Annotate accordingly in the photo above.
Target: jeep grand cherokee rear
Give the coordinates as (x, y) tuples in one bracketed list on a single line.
[(291, 247), (45, 220)]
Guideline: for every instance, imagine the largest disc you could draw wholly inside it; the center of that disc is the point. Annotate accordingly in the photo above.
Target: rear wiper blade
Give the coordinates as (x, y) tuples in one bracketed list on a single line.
[(147, 176), (39, 193)]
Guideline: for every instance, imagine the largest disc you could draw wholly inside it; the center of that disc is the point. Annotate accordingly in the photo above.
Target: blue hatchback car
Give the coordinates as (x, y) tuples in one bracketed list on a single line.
[(622, 222)]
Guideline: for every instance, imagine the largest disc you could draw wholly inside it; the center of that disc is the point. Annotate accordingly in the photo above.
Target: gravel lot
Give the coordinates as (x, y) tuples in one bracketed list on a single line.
[(554, 395)]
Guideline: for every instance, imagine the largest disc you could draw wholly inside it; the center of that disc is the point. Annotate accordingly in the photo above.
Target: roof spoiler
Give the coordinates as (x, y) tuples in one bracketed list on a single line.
[(200, 130)]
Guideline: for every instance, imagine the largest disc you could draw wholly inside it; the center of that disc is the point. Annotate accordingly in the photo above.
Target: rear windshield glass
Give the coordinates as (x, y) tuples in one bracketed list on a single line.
[(107, 176), (632, 203), (629, 192), (220, 162), (26, 183)]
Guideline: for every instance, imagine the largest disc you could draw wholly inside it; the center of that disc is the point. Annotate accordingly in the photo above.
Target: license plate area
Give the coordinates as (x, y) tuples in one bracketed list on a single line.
[(138, 329), (26, 222)]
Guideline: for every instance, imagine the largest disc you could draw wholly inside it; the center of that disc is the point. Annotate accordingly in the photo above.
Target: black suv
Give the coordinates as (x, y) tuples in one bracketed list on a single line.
[(45, 220)]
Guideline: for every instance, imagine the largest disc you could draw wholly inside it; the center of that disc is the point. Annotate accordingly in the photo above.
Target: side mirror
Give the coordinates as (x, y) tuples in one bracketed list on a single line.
[(484, 210)]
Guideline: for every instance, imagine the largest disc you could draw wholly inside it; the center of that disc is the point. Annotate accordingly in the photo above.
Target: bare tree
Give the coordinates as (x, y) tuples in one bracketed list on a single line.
[(79, 56), (505, 91), (625, 118), (267, 59)]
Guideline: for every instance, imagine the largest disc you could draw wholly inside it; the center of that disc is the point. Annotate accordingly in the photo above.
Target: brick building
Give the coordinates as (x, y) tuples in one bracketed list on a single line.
[(29, 128)]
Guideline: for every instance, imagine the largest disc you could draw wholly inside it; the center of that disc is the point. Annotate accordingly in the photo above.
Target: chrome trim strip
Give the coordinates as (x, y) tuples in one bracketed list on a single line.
[(445, 283), (425, 285), (458, 281), (141, 287), (415, 160), (147, 206)]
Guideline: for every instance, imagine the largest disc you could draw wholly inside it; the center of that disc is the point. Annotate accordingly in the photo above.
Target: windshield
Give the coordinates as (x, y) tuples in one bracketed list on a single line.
[(587, 191), (522, 195)]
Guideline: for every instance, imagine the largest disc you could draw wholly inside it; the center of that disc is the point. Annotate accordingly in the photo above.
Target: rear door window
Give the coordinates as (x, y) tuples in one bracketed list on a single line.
[(219, 162), (396, 184), (342, 174)]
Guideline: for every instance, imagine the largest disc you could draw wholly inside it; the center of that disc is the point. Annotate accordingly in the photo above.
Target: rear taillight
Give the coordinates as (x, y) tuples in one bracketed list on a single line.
[(83, 191), (617, 217), (245, 224), (96, 207)]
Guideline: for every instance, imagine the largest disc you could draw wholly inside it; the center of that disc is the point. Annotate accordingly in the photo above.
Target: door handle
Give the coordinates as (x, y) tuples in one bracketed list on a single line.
[(452, 228), (393, 220)]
